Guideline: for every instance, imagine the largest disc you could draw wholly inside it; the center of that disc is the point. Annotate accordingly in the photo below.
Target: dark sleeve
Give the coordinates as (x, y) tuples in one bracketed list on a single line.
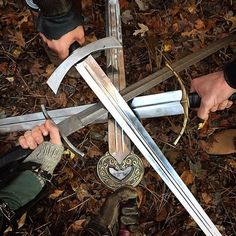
[(57, 17), (230, 73)]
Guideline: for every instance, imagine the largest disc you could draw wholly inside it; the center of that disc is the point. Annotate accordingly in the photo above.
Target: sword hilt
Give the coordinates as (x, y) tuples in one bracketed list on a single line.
[(195, 99), (64, 138)]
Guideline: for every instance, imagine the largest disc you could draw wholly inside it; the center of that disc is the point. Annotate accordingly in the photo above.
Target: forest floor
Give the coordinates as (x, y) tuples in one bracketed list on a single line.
[(171, 29)]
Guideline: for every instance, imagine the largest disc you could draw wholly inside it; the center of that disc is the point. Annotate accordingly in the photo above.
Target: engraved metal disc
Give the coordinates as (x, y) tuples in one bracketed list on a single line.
[(115, 175)]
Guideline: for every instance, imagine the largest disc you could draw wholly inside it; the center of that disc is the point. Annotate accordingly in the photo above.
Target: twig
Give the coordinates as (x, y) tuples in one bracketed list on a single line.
[(73, 208)]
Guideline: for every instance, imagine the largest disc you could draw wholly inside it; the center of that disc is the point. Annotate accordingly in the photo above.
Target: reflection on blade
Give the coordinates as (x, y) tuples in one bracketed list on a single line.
[(116, 105)]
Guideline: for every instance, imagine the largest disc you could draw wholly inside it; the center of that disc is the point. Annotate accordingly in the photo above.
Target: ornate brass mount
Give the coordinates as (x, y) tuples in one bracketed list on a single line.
[(114, 175)]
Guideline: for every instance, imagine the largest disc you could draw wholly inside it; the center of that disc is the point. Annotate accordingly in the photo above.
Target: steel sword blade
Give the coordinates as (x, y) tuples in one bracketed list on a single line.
[(149, 106), (116, 105), (88, 116), (106, 43)]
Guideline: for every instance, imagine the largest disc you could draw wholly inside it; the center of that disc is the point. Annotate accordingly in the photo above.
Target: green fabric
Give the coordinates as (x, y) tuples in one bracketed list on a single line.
[(21, 190)]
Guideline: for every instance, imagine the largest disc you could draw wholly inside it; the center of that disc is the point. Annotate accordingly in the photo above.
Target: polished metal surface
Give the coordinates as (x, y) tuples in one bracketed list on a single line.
[(114, 174), (119, 145), (94, 112), (143, 107), (57, 76), (116, 105)]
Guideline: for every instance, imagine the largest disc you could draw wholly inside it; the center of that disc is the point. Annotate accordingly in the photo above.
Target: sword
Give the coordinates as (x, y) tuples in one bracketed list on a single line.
[(121, 112), (148, 106), (91, 114)]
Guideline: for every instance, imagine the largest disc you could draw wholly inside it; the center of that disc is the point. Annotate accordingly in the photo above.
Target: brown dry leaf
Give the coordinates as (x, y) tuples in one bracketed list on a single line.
[(94, 151), (25, 18), (206, 198), (86, 4), (124, 4), (90, 38), (223, 143), (232, 163), (162, 214), (17, 52), (192, 8), (17, 37), (56, 194), (36, 68), (76, 226), (4, 67), (82, 192), (63, 99), (49, 69), (231, 19), (143, 29), (199, 24), (172, 155), (67, 175), (187, 177), (167, 47)]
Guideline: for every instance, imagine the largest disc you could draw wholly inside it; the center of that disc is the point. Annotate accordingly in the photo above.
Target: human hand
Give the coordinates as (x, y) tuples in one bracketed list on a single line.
[(120, 207), (61, 46), (32, 138), (214, 92)]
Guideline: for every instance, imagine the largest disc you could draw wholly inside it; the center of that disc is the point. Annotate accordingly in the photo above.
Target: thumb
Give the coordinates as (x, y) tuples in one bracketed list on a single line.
[(53, 132), (63, 54), (203, 112)]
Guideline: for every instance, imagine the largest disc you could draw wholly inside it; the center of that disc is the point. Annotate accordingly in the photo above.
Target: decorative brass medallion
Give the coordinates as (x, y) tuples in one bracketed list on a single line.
[(114, 175)]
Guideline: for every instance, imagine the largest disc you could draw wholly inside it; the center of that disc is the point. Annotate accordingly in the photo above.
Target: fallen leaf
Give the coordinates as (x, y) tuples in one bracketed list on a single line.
[(82, 192), (232, 19), (70, 153), (49, 69), (192, 8), (142, 4), (199, 24), (162, 214), (93, 151), (17, 37), (206, 198), (167, 47), (124, 4), (222, 143), (56, 194), (10, 79), (76, 226), (232, 163), (126, 16), (187, 177), (143, 29)]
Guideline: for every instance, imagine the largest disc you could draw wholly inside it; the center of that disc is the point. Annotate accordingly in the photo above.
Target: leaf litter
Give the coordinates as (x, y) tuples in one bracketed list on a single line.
[(172, 29)]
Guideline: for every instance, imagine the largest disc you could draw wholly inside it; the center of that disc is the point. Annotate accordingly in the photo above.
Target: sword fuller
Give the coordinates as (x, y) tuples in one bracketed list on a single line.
[(149, 106), (115, 104)]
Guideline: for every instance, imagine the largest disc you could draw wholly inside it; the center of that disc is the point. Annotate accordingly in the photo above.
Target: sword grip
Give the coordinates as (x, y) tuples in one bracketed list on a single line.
[(74, 46), (195, 99)]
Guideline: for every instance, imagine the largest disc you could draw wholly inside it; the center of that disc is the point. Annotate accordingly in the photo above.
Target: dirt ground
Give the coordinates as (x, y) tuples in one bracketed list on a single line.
[(152, 30)]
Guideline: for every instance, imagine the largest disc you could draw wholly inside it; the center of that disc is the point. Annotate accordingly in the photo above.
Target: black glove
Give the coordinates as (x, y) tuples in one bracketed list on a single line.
[(121, 207)]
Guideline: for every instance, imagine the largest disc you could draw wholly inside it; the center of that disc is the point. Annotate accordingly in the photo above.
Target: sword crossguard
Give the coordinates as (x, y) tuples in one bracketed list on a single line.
[(79, 54), (64, 138)]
